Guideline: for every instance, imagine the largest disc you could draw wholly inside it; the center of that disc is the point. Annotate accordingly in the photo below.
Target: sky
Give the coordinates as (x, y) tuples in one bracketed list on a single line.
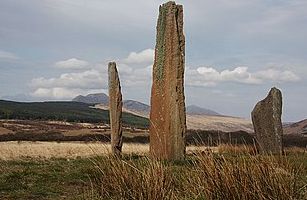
[(235, 51)]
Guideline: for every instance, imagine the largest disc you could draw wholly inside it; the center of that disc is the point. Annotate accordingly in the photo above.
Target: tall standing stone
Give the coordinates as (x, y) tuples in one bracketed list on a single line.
[(266, 118), (115, 109), (167, 115)]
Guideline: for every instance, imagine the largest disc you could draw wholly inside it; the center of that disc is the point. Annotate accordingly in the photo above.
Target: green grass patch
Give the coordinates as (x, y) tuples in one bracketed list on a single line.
[(202, 176), (44, 179)]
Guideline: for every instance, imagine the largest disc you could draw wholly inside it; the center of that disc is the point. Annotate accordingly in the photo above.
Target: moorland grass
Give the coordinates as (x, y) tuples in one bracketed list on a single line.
[(230, 174), (203, 176)]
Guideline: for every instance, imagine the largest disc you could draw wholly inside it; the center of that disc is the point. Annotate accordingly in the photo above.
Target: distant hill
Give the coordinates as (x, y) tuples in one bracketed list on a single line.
[(296, 128), (98, 98), (196, 110), (197, 118), (81, 112), (138, 107), (64, 111)]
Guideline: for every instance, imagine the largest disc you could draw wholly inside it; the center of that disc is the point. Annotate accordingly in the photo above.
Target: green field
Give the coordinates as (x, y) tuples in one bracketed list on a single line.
[(212, 176), (64, 111)]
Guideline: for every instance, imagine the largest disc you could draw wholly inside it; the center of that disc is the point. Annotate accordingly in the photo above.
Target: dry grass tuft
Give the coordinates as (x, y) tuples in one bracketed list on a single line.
[(242, 177), (135, 179), (201, 176), (237, 149)]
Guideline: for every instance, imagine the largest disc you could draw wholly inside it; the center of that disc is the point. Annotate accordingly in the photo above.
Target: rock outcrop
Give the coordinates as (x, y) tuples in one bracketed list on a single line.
[(167, 115), (115, 105), (266, 118)]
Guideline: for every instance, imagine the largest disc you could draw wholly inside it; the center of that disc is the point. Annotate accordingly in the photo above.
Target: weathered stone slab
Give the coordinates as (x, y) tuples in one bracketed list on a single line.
[(115, 109), (266, 118), (167, 115)]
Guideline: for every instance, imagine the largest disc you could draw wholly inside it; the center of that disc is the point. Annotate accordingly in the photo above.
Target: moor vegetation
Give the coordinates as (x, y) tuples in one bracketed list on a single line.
[(224, 175), (194, 137), (214, 138)]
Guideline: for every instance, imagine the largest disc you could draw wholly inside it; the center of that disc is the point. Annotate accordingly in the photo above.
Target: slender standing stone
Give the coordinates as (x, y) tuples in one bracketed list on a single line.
[(266, 118), (167, 115), (115, 109)]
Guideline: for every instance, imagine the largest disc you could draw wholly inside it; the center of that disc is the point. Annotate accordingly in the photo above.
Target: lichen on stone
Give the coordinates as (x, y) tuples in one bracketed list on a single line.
[(160, 48)]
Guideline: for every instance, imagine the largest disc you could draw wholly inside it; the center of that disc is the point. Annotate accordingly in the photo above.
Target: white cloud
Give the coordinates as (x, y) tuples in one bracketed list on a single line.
[(124, 69), (144, 57), (139, 77), (68, 85), (276, 75), (91, 79), (72, 63), (61, 93), (4, 55), (208, 76), (239, 74)]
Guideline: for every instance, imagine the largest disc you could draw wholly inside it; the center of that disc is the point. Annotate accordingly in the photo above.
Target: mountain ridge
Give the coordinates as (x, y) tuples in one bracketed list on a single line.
[(97, 98), (138, 107)]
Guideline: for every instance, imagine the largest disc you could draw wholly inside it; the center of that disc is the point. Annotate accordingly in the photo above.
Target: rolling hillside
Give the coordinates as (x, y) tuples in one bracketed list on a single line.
[(63, 111), (296, 128)]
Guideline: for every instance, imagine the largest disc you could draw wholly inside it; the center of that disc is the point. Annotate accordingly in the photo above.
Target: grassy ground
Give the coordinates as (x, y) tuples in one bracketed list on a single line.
[(230, 174), (72, 150), (44, 179)]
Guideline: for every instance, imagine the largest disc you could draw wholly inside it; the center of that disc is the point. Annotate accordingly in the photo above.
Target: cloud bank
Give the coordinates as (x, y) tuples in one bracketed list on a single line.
[(135, 72), (208, 76)]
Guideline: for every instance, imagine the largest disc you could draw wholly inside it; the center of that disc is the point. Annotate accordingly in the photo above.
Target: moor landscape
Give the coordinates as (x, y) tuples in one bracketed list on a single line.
[(210, 103)]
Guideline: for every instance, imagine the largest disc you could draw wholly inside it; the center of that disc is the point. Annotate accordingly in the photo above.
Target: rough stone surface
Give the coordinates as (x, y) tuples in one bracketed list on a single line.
[(115, 109), (266, 118), (167, 115)]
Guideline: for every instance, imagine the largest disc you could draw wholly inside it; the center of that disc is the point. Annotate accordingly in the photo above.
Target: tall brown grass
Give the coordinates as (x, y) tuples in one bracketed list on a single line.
[(134, 179), (237, 149), (200, 176), (243, 177)]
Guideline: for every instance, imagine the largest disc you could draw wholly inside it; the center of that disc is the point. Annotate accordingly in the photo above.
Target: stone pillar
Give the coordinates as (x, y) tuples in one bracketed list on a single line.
[(115, 109), (167, 115), (266, 118)]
